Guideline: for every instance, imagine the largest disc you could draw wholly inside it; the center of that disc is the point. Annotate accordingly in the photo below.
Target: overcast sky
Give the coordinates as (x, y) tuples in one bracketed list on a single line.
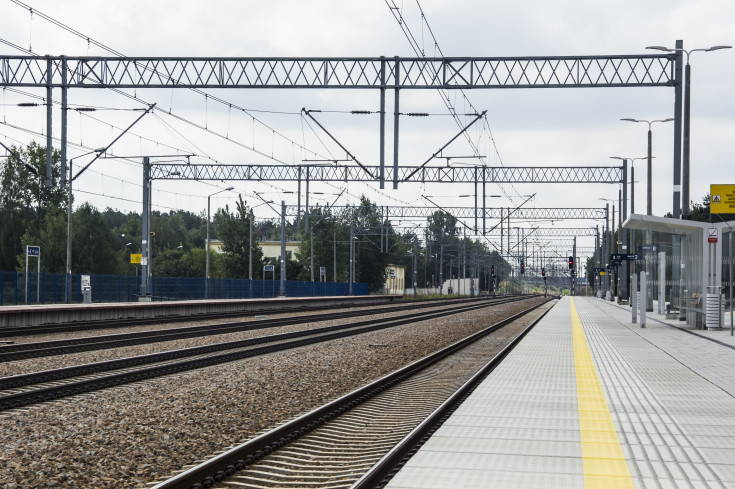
[(533, 127)]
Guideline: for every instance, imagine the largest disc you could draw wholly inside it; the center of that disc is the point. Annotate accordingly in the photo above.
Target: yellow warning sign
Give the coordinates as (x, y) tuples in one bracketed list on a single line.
[(722, 199), (135, 257)]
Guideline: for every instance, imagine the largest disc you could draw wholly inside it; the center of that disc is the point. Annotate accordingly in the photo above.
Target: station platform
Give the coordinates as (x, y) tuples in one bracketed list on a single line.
[(588, 399)]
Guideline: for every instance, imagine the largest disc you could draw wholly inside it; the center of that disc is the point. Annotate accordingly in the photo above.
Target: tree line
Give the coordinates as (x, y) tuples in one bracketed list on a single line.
[(104, 240)]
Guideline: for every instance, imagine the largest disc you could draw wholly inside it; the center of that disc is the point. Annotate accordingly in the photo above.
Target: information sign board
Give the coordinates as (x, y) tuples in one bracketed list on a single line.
[(33, 250), (722, 199), (269, 268), (136, 258)]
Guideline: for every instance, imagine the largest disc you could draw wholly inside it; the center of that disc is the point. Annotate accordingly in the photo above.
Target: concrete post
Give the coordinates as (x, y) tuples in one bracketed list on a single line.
[(643, 307), (634, 297)]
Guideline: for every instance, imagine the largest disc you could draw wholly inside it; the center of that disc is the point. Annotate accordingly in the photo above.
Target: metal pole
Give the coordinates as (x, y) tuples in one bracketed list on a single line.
[(475, 200), (145, 226), (649, 183), (415, 264), (624, 232), (607, 246), (632, 188), (335, 255), (282, 290), (677, 129), (49, 118), (250, 254), (395, 124), (311, 252), (67, 282), (64, 110), (441, 271), (382, 122), (206, 271), (306, 207), (298, 206), (685, 162), (352, 244), (483, 201)]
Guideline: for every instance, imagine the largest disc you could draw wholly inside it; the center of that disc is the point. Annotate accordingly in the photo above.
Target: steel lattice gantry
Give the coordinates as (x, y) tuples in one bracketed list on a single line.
[(349, 173), (380, 72), (531, 213), (649, 70)]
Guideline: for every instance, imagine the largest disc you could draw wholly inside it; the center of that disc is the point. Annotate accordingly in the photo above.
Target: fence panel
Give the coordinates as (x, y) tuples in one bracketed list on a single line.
[(50, 288)]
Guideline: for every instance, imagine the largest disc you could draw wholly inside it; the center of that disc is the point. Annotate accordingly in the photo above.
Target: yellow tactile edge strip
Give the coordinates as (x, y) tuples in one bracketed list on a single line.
[(603, 461)]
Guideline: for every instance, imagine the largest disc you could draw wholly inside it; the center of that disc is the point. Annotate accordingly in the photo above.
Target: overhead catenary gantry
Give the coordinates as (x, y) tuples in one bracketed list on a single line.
[(381, 73), (398, 73)]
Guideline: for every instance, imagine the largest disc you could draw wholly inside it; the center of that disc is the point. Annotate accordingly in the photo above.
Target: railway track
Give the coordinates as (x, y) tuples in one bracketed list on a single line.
[(363, 436), (33, 388), (24, 351)]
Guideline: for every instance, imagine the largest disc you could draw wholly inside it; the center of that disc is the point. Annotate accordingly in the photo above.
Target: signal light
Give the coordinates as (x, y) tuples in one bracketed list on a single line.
[(543, 272), (523, 267), (492, 269), (571, 262)]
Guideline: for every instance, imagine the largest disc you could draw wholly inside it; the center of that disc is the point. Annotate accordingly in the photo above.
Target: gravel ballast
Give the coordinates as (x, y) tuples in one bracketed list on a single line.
[(128, 436)]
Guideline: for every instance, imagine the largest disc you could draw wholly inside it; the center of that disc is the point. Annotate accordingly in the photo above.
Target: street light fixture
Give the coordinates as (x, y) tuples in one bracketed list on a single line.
[(687, 118), (206, 272), (68, 222), (649, 183)]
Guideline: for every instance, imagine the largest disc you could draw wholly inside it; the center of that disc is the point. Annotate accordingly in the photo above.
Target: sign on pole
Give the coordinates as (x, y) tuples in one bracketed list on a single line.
[(136, 258), (34, 251), (712, 235), (722, 199)]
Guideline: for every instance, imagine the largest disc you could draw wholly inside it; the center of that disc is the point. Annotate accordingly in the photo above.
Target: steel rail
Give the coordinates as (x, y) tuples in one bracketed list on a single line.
[(206, 474), (288, 341), (24, 351)]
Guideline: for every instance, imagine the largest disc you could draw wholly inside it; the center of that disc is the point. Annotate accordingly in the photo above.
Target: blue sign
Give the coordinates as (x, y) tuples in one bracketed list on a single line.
[(618, 258), (33, 250), (269, 268)]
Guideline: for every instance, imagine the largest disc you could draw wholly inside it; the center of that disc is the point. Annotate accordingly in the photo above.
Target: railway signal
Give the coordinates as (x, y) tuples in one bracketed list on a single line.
[(523, 267), (571, 262)]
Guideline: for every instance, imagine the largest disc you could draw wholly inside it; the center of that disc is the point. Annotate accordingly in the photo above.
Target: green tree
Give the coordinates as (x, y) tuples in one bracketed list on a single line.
[(93, 249), (233, 229), (25, 199)]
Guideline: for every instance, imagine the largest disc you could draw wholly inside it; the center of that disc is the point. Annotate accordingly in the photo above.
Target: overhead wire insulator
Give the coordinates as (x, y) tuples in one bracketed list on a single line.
[(362, 112), (29, 104), (418, 114)]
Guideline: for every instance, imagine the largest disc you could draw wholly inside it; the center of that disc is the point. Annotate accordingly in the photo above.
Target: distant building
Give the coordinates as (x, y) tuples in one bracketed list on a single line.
[(271, 249), (395, 280)]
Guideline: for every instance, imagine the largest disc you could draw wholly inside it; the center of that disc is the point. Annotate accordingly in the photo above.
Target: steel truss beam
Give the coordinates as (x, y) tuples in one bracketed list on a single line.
[(548, 213), (280, 173), (646, 70)]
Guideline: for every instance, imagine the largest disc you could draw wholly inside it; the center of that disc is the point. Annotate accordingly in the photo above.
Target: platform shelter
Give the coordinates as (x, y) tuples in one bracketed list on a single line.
[(687, 265)]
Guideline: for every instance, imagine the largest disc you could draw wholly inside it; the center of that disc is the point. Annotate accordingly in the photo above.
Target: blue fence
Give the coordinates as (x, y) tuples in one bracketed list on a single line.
[(49, 288)]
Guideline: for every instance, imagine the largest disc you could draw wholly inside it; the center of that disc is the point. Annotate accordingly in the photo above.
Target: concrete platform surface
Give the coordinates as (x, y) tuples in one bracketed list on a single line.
[(588, 399)]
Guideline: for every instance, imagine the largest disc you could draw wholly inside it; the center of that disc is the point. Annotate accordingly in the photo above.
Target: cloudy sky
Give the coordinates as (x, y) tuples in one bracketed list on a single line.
[(532, 127)]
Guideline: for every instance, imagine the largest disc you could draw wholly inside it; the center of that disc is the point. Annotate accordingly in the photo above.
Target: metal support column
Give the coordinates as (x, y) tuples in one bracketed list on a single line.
[(607, 247), (382, 121), (282, 289), (64, 110), (49, 118), (441, 270), (396, 117), (678, 100), (352, 252), (306, 207), (145, 230), (624, 232)]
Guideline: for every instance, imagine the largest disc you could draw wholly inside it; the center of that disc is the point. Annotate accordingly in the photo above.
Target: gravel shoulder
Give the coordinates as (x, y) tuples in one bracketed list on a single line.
[(128, 436)]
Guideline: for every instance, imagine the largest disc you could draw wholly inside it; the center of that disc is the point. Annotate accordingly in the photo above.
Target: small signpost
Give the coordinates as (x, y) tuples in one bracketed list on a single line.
[(272, 269), (322, 274), (712, 235), (34, 251)]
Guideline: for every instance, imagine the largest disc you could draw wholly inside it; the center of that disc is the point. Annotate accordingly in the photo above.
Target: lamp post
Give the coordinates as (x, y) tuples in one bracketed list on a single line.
[(206, 272), (687, 113), (67, 282), (649, 183)]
